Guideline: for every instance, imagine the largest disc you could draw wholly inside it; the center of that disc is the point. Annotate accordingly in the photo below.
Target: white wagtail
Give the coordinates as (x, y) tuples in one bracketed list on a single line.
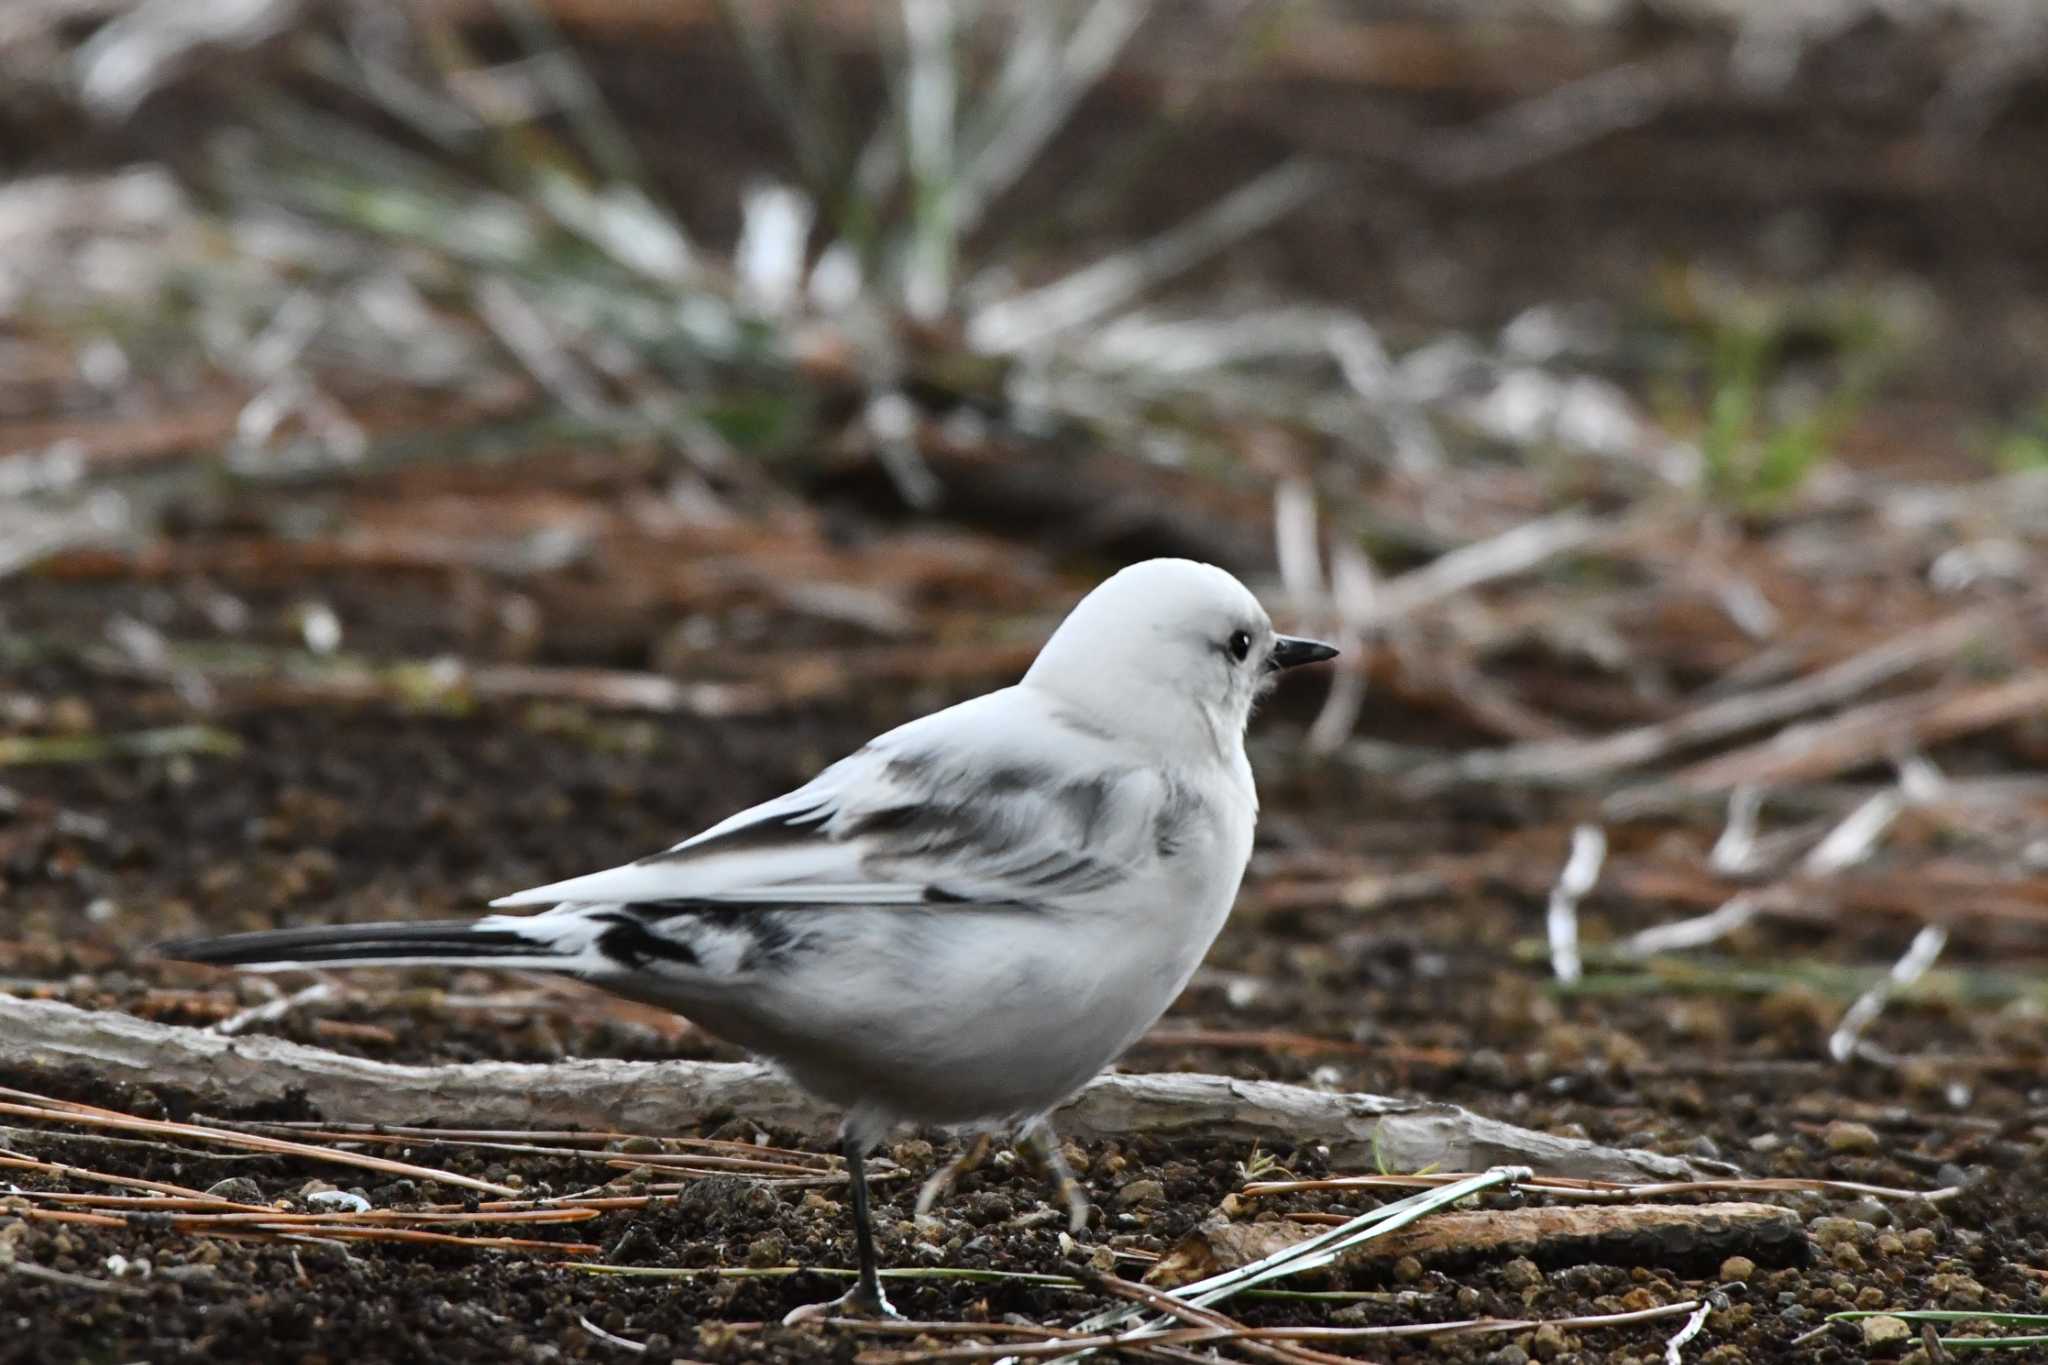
[(960, 924)]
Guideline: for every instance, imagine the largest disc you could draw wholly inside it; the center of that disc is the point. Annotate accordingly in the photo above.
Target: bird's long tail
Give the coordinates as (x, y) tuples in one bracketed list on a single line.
[(494, 941)]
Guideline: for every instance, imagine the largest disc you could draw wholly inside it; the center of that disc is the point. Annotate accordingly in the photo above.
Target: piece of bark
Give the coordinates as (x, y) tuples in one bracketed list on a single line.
[(1871, 733), (1693, 1239), (661, 1097), (1568, 761)]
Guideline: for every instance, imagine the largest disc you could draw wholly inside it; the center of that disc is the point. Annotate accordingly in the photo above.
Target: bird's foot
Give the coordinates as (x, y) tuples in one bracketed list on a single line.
[(1076, 1200), (943, 1178), (1039, 1139), (861, 1301)]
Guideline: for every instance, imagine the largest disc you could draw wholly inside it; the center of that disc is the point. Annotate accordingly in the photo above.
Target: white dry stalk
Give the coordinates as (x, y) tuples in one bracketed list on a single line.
[(1581, 871), (1304, 1256), (1674, 1348), (1350, 594), (527, 335), (1027, 321), (1294, 540), (1920, 781), (1370, 372), (1694, 932), (140, 50), (1854, 839), (1169, 345), (1745, 605), (635, 231), (891, 421), (272, 1010), (1548, 125), (775, 222), (930, 107), (1040, 85), (1734, 853), (1921, 955), (1353, 588), (1512, 552), (1999, 58), (609, 1338)]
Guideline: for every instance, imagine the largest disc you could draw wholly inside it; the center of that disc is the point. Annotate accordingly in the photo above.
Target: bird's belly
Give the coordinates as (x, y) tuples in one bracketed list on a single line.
[(949, 1016)]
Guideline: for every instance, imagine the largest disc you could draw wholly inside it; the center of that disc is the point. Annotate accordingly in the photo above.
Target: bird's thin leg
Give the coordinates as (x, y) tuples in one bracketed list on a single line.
[(1039, 1138), (867, 1293), (865, 1299), (943, 1178)]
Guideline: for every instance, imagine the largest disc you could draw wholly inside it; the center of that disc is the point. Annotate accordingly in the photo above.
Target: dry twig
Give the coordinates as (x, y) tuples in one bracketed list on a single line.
[(665, 1096)]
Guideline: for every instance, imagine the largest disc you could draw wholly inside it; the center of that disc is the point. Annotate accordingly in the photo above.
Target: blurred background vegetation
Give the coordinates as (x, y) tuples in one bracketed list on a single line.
[(448, 446), (1648, 392), (1624, 382)]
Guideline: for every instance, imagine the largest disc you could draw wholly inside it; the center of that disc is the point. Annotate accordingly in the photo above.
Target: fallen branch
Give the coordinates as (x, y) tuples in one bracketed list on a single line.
[(662, 1097), (87, 1116), (1690, 1238), (1872, 733), (1582, 760), (1514, 551), (1600, 1191)]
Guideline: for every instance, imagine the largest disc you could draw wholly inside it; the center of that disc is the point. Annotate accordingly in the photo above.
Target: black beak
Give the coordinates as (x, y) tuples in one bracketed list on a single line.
[(1290, 652)]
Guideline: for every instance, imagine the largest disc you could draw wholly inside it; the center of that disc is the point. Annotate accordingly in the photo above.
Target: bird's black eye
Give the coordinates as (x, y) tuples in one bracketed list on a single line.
[(1240, 645)]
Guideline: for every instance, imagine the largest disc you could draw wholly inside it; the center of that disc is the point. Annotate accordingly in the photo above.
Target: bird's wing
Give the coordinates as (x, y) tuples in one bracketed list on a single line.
[(995, 801)]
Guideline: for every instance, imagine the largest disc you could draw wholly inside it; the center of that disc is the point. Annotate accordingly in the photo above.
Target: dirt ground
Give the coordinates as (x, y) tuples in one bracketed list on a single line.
[(362, 811), (1389, 939)]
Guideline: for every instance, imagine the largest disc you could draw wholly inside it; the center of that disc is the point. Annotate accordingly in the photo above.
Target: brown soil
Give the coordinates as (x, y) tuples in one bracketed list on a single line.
[(372, 811), (1404, 968)]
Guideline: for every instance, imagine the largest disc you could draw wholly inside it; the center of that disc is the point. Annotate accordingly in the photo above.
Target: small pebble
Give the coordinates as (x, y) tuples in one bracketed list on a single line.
[(1851, 1138), (338, 1201), (1957, 1291), (1884, 1329), (1736, 1269), (1141, 1192), (1831, 1232), (1407, 1270), (236, 1189), (1521, 1273)]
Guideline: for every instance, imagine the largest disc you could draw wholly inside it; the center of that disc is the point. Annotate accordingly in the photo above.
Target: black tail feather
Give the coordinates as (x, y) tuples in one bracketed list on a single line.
[(452, 939)]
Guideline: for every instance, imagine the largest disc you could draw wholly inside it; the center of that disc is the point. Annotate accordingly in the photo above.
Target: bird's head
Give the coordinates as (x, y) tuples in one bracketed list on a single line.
[(1170, 649)]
